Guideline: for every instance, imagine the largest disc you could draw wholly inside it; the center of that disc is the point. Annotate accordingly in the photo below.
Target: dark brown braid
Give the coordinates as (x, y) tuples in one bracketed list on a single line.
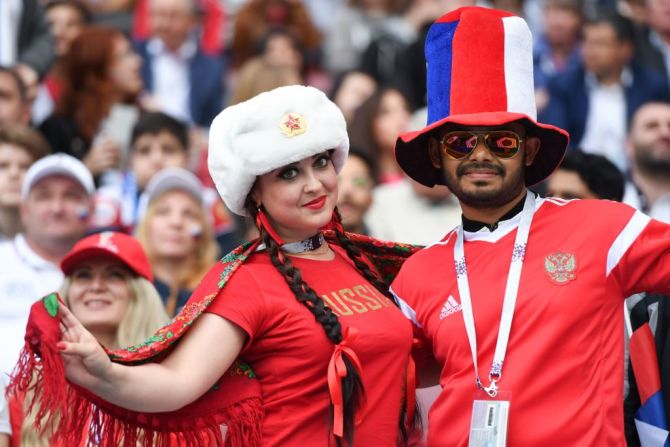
[(352, 385), (363, 267)]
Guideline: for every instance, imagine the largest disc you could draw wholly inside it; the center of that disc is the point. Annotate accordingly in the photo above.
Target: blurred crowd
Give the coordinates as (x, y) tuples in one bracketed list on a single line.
[(105, 107)]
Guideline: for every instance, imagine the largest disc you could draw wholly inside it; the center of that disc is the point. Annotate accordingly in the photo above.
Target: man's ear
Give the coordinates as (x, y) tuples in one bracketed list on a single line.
[(532, 148), (434, 153)]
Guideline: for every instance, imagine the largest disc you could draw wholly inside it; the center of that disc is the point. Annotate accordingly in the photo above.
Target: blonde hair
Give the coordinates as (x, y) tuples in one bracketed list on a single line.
[(206, 249), (144, 316)]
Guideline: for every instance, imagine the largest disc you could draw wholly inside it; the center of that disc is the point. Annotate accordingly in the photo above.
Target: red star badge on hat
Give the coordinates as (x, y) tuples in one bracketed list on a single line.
[(293, 124)]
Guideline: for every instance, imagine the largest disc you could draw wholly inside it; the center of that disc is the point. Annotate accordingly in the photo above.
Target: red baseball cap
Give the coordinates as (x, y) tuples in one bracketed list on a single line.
[(119, 246)]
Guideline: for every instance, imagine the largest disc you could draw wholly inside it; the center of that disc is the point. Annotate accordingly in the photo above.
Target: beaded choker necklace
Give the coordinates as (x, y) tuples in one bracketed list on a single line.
[(297, 247)]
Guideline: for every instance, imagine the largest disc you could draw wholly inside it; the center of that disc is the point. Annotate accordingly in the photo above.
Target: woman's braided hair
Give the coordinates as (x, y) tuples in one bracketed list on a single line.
[(352, 385), (363, 267)]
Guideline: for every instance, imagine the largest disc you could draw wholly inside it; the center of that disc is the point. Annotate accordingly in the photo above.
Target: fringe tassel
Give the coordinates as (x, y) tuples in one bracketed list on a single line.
[(238, 425), (78, 416), (40, 373)]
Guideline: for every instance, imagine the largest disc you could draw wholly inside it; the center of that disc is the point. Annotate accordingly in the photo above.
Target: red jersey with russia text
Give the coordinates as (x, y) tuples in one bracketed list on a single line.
[(564, 359), (289, 351)]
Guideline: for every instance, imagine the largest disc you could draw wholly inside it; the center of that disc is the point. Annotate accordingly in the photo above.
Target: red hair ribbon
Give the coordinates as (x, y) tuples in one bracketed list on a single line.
[(335, 223), (262, 221), (337, 371)]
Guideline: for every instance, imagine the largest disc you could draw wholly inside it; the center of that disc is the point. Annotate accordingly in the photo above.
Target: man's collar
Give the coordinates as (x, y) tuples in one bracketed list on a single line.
[(473, 226), (29, 256), (626, 79), (156, 47)]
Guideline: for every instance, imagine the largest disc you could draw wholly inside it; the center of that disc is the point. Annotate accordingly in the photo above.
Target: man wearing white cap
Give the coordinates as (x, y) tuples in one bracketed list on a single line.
[(55, 205), (521, 306)]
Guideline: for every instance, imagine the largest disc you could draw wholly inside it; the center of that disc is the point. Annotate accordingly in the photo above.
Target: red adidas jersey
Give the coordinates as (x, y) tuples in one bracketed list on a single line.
[(564, 359), (289, 351)]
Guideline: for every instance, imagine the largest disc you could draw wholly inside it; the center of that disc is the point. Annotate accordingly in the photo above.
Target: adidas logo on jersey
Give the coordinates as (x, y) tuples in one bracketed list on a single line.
[(450, 307)]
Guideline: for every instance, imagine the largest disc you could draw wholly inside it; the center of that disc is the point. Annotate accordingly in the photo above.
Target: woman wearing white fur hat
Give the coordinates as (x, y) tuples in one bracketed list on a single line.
[(305, 307)]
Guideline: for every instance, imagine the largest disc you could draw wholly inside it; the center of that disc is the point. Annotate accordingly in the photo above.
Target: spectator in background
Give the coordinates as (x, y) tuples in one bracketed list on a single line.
[(257, 76), (595, 102), (107, 286), (66, 19), (257, 17), (586, 176), (115, 13), (406, 211), (20, 147), (280, 62), (14, 104), (25, 41), (176, 233), (98, 105), (350, 90), (183, 81), (214, 18), (648, 148), (55, 205), (655, 39), (280, 48), (357, 24), (158, 142), (376, 126), (557, 49), (356, 181)]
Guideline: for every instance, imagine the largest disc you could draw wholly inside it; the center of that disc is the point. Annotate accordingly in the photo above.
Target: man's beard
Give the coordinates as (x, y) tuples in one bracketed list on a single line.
[(655, 167), (491, 198)]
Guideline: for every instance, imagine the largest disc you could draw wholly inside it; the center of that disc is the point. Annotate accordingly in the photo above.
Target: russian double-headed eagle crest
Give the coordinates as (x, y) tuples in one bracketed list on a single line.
[(293, 124), (560, 267)]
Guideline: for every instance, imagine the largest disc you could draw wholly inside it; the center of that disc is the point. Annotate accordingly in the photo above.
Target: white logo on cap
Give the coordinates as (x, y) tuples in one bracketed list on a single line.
[(106, 241)]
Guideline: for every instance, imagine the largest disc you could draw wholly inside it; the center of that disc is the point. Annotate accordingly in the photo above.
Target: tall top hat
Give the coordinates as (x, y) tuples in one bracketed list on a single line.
[(479, 73)]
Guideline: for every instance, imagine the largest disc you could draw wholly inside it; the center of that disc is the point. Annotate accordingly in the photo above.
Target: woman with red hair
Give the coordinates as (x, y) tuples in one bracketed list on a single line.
[(98, 105)]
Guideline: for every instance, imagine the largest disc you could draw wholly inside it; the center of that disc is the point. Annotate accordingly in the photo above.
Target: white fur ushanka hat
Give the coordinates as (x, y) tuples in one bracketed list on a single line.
[(271, 130)]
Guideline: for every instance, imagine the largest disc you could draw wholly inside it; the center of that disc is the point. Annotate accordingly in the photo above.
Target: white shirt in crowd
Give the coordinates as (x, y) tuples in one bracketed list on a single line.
[(171, 78), (659, 210), (399, 214), (605, 132), (24, 278), (10, 15)]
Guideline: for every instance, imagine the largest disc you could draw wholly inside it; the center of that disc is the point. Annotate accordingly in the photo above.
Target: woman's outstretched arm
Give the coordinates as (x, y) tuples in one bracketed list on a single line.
[(195, 364)]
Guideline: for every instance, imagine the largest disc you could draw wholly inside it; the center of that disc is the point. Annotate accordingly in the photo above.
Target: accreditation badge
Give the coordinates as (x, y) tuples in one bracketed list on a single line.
[(488, 427)]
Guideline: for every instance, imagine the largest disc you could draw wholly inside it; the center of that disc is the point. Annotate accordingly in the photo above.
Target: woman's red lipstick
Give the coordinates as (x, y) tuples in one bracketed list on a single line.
[(316, 204)]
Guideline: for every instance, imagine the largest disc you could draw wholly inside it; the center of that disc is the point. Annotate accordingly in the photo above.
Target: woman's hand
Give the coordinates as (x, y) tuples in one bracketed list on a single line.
[(105, 154), (86, 363)]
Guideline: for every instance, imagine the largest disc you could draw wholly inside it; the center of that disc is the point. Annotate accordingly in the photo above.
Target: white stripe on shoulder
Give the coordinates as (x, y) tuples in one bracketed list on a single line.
[(625, 239), (444, 240), (405, 308)]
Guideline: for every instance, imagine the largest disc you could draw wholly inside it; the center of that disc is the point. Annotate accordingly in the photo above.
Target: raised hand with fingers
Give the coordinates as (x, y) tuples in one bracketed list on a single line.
[(86, 363)]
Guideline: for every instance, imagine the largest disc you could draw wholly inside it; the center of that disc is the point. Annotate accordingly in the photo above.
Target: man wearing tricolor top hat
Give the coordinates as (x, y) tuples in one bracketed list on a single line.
[(522, 314)]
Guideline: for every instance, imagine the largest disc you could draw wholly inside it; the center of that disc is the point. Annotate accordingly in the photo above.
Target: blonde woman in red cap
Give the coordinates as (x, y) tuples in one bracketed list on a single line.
[(303, 306), (108, 288)]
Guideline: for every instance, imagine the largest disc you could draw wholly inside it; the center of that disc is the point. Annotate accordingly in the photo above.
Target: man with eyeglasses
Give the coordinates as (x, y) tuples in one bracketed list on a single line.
[(519, 310)]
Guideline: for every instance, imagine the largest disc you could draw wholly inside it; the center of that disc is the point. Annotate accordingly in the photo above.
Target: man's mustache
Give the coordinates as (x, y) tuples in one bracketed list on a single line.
[(478, 166)]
